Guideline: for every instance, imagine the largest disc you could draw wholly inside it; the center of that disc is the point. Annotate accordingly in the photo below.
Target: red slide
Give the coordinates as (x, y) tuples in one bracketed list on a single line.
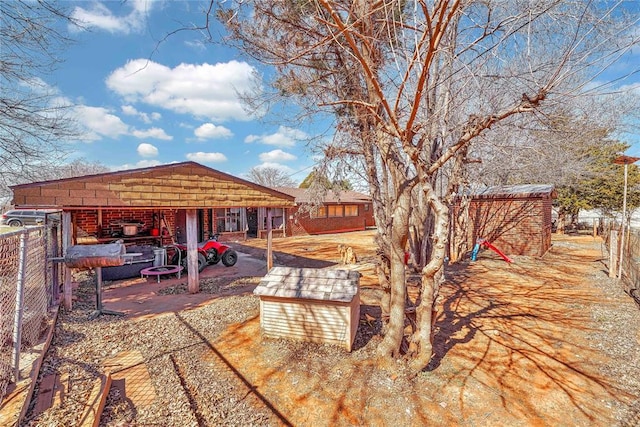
[(496, 250)]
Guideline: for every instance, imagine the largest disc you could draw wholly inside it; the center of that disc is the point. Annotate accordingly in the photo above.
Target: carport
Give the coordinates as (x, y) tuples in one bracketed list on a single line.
[(186, 186)]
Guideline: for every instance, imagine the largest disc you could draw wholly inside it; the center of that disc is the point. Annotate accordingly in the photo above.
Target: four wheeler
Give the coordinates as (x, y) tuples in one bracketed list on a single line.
[(209, 252)]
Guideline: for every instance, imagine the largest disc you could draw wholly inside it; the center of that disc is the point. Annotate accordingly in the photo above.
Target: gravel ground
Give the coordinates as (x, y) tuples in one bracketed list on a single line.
[(208, 366), (173, 348)]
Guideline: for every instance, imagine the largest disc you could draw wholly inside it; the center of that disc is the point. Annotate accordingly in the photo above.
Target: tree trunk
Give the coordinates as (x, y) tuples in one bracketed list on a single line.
[(390, 345), (432, 274), (460, 223)]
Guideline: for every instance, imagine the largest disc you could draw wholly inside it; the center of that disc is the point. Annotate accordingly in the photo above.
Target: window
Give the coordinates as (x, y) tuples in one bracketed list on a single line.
[(350, 210), (318, 212), (335, 210), (277, 218), (230, 219)]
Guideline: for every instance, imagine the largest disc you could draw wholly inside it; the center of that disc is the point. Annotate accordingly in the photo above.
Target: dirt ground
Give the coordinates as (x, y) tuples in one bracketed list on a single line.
[(548, 341)]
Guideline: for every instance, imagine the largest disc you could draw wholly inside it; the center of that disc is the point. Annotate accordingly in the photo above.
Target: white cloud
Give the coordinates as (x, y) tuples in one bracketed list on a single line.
[(130, 110), (98, 122), (211, 131), (201, 157), (284, 137), (156, 133), (137, 165), (97, 15), (279, 166), (147, 150), (203, 90), (277, 156)]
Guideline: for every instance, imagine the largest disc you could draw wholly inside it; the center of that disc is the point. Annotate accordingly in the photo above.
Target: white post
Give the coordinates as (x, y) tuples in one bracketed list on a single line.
[(17, 323), (613, 253), (269, 241), (67, 239), (193, 284), (624, 220)]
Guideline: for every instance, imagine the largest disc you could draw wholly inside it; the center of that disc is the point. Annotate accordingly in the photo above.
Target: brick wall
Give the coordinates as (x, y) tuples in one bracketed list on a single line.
[(303, 224), (86, 221), (516, 226)]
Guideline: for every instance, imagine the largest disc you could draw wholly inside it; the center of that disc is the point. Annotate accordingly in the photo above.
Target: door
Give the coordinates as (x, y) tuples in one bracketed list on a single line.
[(181, 226), (252, 222)]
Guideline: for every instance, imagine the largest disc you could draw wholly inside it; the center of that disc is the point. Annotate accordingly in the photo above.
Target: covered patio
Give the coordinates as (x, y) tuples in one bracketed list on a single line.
[(94, 206)]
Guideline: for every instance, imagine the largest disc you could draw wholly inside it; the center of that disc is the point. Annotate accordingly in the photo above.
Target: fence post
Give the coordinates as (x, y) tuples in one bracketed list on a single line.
[(17, 324), (67, 236), (613, 253)]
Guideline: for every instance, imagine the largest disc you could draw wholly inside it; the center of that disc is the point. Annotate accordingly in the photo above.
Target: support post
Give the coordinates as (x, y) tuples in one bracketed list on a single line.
[(17, 323), (269, 241), (193, 284), (624, 220), (67, 235), (613, 253)]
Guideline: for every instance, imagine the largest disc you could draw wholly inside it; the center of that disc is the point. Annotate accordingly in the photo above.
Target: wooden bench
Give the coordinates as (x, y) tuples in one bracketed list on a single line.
[(317, 305)]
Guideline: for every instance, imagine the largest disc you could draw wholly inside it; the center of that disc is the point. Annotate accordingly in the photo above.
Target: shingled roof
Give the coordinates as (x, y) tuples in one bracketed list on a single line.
[(302, 195), (176, 185), (515, 191)]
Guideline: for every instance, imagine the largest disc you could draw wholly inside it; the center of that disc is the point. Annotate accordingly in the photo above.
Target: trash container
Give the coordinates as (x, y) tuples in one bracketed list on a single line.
[(160, 255)]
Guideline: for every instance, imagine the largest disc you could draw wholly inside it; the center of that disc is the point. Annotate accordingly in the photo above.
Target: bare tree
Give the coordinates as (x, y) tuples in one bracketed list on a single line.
[(270, 177), (33, 124), (412, 85), (77, 167)]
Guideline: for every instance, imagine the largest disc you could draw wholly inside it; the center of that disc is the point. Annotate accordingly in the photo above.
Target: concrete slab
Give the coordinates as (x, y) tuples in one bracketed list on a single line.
[(139, 297)]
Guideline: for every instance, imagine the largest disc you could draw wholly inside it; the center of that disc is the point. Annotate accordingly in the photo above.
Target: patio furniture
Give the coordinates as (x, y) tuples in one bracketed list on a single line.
[(132, 265), (160, 270)]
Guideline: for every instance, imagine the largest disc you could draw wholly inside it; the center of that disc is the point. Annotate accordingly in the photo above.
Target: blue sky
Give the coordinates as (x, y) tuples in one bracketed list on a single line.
[(141, 103)]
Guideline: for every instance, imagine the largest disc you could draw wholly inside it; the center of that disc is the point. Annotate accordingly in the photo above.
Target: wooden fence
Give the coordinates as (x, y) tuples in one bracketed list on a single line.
[(611, 233)]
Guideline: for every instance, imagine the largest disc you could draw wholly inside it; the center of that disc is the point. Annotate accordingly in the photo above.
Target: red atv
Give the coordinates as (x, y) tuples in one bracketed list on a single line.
[(209, 252)]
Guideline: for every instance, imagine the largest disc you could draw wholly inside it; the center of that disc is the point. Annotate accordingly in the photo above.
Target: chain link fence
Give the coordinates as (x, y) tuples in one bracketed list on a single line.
[(29, 286)]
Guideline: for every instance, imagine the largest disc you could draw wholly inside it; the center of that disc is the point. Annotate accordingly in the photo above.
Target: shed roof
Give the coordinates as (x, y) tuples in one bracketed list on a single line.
[(302, 195), (309, 283), (177, 185), (515, 191)]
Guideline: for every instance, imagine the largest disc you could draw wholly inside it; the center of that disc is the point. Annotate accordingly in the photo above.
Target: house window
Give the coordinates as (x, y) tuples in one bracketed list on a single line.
[(230, 219), (318, 212), (350, 210), (335, 210), (277, 218)]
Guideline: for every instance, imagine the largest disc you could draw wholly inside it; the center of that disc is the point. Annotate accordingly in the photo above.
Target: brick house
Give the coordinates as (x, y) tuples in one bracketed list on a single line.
[(339, 212), (516, 219)]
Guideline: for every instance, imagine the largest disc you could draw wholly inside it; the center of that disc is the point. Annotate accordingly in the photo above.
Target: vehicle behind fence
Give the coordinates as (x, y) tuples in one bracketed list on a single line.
[(29, 285)]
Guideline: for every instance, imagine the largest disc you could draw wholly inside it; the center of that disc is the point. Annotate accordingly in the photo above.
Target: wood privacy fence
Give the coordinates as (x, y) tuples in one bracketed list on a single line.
[(29, 285), (611, 233)]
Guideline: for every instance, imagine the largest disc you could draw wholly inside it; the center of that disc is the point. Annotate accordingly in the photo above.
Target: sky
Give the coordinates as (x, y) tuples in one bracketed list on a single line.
[(141, 102), (144, 99)]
